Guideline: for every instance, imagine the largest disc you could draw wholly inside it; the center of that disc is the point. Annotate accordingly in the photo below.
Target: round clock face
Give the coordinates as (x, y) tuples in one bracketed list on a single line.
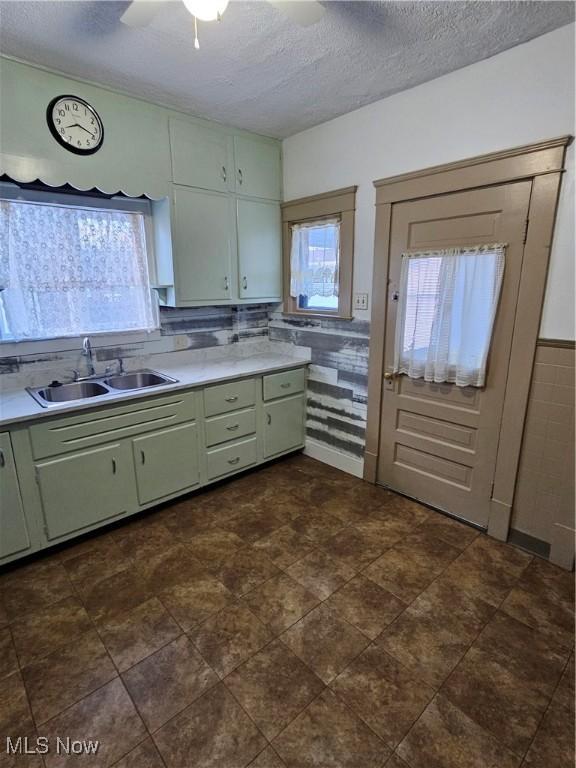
[(75, 125)]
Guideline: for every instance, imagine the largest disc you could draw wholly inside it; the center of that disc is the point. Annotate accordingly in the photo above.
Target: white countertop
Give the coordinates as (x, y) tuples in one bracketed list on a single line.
[(18, 405)]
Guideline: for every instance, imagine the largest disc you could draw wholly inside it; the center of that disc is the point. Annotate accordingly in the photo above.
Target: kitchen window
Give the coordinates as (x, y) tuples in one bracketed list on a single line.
[(72, 265), (318, 254)]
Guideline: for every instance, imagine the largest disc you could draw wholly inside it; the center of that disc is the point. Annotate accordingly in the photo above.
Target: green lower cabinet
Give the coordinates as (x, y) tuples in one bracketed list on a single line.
[(85, 488), (166, 462), (283, 425), (14, 536)]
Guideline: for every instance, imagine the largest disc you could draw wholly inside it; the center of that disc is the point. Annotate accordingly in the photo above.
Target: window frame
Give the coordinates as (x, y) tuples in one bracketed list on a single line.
[(11, 191), (340, 204)]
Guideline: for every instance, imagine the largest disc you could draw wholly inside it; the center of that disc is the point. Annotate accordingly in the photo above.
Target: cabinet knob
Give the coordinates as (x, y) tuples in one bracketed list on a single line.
[(269, 418), (143, 457), (224, 174), (240, 178), (226, 283), (113, 466), (244, 282)]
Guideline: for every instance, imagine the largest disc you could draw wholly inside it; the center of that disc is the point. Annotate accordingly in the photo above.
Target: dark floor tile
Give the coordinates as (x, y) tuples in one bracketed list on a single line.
[(213, 732), (504, 705), (168, 681), (488, 569), (405, 511), (284, 546), (280, 602), (274, 686), (553, 745), (396, 762), (89, 566), (212, 548), (254, 522), (169, 568), (344, 507), (453, 532), (15, 716), (39, 633), (354, 547), (245, 570), (8, 658), (409, 567), (145, 755), (444, 737), (327, 733), (107, 716), (143, 538), (14, 756), (366, 605), (320, 573), (134, 635), (316, 525), (546, 612), (542, 578), (196, 600), (116, 595), (387, 531), (528, 654), (267, 759), (324, 642), (67, 675), (33, 587), (383, 694), (565, 690), (230, 637)]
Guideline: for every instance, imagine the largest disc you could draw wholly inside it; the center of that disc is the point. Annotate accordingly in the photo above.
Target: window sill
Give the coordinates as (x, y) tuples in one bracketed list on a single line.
[(67, 343), (332, 315)]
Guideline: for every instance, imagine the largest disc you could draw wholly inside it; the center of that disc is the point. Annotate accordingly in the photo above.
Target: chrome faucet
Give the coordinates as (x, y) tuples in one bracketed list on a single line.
[(87, 353)]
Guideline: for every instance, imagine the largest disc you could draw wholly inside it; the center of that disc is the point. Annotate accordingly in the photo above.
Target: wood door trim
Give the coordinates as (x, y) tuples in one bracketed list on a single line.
[(544, 164)]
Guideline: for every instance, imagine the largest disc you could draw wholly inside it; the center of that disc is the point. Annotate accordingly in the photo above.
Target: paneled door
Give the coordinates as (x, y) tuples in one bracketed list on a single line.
[(438, 442)]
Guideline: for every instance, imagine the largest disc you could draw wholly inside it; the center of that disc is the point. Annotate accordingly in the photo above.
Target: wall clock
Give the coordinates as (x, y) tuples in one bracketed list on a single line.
[(75, 125)]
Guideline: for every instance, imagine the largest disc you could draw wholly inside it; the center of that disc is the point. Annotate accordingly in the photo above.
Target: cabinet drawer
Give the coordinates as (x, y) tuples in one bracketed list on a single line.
[(220, 429), (284, 383), (231, 458), (229, 397), (112, 422)]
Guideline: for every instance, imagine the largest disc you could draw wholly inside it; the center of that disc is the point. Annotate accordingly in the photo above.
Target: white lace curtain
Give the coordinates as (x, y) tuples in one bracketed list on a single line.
[(447, 306), (314, 260), (65, 271)]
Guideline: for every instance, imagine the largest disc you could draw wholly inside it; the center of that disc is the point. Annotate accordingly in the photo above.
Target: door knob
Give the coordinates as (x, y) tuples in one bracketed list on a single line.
[(389, 376)]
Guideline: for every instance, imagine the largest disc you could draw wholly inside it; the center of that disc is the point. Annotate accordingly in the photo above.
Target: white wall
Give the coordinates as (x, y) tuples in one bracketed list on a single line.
[(521, 96)]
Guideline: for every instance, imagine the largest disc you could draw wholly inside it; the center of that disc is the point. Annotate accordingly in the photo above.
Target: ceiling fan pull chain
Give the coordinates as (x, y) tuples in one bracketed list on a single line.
[(196, 41)]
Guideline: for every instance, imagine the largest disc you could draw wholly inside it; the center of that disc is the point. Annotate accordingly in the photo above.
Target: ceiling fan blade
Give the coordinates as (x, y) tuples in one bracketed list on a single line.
[(303, 12), (141, 12)]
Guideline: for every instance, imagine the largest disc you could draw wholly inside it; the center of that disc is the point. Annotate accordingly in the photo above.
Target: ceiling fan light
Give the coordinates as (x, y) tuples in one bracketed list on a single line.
[(206, 10)]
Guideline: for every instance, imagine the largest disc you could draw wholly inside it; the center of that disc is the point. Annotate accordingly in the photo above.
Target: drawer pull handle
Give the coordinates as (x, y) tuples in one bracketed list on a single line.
[(269, 418), (286, 385), (234, 461), (2, 459), (113, 466), (143, 457), (232, 399), (232, 427)]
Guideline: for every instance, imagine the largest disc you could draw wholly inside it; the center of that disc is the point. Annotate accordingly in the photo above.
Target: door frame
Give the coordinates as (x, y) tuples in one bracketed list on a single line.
[(543, 164)]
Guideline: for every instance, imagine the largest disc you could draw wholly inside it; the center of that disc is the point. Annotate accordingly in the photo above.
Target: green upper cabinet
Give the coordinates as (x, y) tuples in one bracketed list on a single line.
[(13, 529), (201, 156), (258, 167), (166, 462), (203, 246), (259, 246)]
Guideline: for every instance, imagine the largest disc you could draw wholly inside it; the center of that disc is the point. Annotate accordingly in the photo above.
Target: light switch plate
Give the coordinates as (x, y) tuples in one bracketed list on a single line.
[(360, 301)]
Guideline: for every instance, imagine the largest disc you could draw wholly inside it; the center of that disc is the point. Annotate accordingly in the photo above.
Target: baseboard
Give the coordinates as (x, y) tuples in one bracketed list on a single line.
[(529, 543), (334, 458)]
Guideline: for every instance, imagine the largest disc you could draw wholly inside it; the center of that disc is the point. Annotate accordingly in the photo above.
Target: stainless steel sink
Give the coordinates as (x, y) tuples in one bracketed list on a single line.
[(137, 380), (75, 391), (101, 387)]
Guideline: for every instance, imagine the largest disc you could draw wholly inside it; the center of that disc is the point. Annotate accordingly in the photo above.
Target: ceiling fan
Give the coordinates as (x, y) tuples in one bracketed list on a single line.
[(140, 13)]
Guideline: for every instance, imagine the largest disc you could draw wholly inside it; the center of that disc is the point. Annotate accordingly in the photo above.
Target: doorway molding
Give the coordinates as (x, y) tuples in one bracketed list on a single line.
[(541, 163)]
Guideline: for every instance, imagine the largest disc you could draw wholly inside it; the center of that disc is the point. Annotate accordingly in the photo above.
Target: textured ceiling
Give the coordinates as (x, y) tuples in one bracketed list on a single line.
[(257, 69)]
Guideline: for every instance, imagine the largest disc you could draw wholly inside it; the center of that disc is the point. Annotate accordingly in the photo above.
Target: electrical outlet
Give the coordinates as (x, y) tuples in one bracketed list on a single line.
[(360, 301), (180, 342)]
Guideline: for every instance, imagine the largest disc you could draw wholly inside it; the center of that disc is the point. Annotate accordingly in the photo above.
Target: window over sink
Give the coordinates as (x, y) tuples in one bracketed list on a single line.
[(73, 265)]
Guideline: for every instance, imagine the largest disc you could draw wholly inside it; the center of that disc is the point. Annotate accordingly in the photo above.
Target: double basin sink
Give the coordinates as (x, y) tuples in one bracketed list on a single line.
[(105, 386)]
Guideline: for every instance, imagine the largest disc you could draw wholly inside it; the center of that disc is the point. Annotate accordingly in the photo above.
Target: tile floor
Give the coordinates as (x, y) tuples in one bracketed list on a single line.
[(290, 618)]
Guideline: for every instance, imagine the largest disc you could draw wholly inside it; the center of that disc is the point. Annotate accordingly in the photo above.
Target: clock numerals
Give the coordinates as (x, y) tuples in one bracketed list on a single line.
[(75, 125)]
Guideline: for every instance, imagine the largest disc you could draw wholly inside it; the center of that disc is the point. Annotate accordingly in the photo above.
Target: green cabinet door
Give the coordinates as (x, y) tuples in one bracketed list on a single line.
[(283, 425), (203, 245), (259, 249), (166, 462), (84, 488), (201, 156), (13, 529), (258, 170)]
